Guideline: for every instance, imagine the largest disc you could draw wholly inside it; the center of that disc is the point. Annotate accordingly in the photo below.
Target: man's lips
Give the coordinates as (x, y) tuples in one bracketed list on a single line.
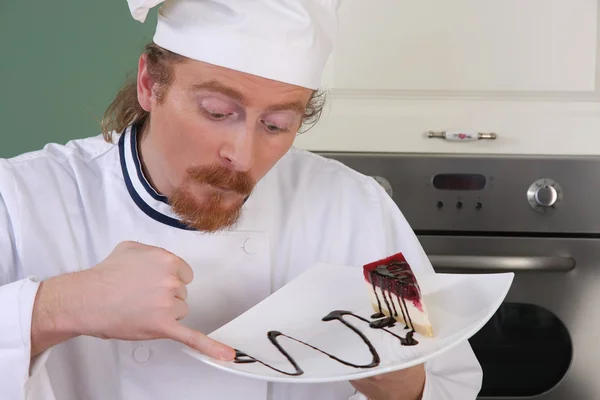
[(227, 190)]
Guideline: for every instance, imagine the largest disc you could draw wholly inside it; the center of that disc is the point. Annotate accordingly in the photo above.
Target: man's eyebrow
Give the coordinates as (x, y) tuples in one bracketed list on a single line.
[(216, 86), (296, 106)]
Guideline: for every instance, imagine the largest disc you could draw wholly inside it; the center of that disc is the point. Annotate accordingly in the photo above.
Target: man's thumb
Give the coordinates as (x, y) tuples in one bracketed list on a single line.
[(199, 341)]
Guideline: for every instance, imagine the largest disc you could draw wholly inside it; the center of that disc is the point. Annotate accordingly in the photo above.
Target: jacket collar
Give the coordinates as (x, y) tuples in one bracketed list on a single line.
[(152, 203)]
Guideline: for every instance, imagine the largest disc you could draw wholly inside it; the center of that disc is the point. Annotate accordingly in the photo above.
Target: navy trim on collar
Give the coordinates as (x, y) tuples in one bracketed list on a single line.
[(152, 213), (138, 167)]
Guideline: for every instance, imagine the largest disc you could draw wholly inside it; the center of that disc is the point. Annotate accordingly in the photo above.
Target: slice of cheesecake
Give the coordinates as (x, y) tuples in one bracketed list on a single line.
[(395, 293)]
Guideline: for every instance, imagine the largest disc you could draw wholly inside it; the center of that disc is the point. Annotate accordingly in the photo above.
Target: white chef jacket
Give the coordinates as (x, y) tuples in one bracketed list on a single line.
[(65, 208)]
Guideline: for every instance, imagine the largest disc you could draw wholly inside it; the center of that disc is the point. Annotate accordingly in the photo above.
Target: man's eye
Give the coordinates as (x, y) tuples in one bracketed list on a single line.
[(273, 128), (215, 116), (218, 116)]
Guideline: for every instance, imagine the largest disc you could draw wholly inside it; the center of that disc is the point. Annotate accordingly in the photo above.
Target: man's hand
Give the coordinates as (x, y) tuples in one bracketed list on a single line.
[(137, 293), (406, 384)]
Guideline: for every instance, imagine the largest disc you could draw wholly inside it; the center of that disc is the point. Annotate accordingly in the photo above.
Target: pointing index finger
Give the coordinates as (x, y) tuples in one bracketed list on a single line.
[(200, 342)]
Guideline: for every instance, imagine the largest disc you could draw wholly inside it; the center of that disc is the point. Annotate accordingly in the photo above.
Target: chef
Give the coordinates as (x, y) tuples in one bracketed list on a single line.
[(118, 250)]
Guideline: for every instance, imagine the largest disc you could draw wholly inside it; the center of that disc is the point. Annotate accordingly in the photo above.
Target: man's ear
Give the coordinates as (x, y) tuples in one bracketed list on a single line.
[(145, 85)]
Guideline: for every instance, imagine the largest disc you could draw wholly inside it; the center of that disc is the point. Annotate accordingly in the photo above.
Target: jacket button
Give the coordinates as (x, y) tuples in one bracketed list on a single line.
[(141, 354), (251, 246)]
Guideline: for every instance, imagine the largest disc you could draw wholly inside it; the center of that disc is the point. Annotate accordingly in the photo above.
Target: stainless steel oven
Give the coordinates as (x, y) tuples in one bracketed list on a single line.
[(536, 216)]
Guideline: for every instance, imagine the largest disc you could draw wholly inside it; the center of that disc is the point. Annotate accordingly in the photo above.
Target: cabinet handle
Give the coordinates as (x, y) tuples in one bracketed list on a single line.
[(461, 136), (492, 264)]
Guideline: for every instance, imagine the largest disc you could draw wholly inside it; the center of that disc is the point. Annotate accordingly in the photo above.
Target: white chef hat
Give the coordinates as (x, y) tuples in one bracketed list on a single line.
[(283, 40)]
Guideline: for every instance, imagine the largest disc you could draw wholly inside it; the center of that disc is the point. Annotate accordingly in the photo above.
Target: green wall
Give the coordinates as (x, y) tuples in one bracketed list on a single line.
[(61, 63)]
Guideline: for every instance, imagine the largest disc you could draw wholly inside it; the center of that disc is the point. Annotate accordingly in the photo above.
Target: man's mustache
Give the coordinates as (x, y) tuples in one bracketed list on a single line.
[(221, 177)]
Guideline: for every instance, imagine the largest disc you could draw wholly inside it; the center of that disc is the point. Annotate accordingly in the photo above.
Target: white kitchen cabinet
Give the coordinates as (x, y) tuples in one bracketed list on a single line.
[(523, 69)]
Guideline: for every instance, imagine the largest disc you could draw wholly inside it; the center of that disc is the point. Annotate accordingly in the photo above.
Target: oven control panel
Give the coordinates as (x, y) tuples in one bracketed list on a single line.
[(542, 195), (494, 193), (460, 190)]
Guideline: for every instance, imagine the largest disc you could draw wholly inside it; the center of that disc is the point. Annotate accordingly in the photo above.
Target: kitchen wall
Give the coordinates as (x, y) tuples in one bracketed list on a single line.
[(61, 63), (526, 70)]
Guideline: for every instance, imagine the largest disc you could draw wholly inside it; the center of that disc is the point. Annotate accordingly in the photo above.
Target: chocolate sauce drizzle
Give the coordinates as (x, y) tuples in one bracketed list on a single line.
[(378, 277)]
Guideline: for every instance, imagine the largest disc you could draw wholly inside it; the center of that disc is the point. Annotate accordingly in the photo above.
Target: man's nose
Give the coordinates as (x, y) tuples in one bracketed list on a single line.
[(238, 152)]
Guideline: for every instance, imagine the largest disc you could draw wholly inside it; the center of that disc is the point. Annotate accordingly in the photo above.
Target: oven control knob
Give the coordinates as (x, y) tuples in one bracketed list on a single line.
[(385, 184), (546, 196), (543, 194)]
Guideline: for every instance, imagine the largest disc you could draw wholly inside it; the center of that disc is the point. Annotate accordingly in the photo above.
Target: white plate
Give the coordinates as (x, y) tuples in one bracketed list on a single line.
[(458, 305)]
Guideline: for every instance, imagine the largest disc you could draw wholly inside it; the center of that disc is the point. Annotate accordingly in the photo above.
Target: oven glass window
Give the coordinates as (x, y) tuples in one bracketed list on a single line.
[(524, 350)]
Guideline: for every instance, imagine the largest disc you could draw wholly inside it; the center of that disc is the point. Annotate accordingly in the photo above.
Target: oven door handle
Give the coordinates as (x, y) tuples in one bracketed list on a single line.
[(494, 264)]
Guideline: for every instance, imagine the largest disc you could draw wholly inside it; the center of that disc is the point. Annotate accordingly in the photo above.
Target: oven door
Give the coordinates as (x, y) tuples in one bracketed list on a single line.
[(541, 342)]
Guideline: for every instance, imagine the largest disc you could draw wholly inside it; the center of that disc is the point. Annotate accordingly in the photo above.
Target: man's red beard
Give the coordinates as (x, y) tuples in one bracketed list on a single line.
[(211, 214)]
